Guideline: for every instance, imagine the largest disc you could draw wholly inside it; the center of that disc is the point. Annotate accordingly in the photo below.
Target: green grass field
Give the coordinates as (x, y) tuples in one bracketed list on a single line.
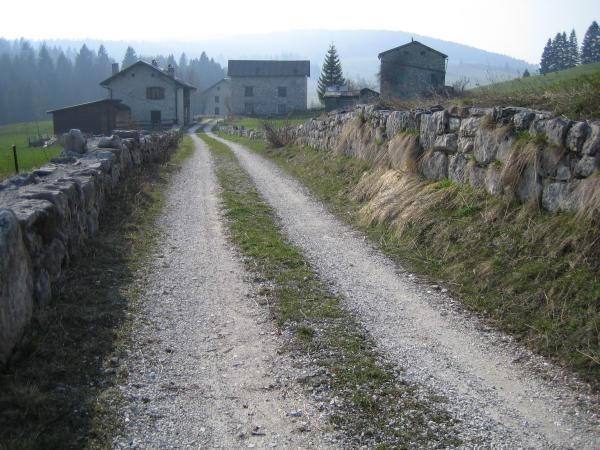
[(573, 92), (29, 157), (256, 123)]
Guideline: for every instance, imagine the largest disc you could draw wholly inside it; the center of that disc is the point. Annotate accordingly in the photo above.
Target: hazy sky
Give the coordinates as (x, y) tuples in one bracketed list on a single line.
[(517, 28)]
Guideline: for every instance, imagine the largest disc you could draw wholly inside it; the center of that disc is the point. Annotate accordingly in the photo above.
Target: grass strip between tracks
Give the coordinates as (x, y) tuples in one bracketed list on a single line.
[(372, 405)]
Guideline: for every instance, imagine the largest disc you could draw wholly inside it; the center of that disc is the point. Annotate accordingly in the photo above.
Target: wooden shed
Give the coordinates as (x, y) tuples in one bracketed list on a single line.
[(344, 98), (99, 117)]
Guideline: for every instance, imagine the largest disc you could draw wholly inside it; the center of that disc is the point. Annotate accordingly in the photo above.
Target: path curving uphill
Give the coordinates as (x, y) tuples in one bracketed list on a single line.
[(504, 395), (205, 370)]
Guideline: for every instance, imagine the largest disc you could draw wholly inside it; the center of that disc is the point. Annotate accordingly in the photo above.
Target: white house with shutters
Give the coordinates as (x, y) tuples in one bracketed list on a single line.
[(156, 97)]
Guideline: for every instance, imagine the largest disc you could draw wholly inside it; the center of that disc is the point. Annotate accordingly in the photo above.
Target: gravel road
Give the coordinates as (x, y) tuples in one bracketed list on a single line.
[(204, 368), (505, 396)]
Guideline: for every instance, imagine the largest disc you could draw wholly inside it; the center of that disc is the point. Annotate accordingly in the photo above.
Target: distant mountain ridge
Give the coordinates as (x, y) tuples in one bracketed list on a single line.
[(358, 51)]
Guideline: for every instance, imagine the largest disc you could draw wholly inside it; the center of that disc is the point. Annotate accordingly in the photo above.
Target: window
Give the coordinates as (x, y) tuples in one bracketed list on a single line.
[(281, 108), (249, 108), (218, 88), (217, 111), (155, 117), (282, 91), (216, 99), (155, 93), (248, 91)]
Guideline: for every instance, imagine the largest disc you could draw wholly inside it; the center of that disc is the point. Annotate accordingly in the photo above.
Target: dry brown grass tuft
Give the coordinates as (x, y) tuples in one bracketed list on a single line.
[(403, 152), (522, 157), (588, 195)]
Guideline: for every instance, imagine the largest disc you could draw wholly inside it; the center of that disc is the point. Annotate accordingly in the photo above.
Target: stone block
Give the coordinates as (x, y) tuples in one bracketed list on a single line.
[(434, 166), (556, 131), (591, 146), (485, 146), (576, 136), (16, 284), (74, 141), (447, 142)]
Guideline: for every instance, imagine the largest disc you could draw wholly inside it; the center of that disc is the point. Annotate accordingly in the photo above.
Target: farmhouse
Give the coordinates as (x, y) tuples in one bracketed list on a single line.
[(156, 97), (340, 97), (268, 87), (217, 99), (412, 70), (99, 117)]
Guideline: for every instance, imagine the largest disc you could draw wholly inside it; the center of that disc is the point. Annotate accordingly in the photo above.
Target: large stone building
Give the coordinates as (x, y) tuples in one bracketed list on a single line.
[(268, 87), (217, 99), (156, 97), (412, 70)]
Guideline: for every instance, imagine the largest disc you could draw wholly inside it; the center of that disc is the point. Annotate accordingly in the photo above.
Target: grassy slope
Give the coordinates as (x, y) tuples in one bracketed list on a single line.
[(324, 332), (255, 123), (533, 274), (573, 92), (61, 388), (17, 134)]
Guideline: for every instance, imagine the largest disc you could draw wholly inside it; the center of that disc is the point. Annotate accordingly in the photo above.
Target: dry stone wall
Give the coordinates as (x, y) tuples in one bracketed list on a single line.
[(535, 155), (46, 216)]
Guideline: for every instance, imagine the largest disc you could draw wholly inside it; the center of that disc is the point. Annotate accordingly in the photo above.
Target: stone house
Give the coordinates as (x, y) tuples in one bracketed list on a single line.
[(340, 97), (156, 97), (412, 70), (217, 99), (264, 88)]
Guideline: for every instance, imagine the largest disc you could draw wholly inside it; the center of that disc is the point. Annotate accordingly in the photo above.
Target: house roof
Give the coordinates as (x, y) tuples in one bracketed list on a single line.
[(353, 93), (108, 101), (410, 44), (255, 68), (218, 82), (156, 69)]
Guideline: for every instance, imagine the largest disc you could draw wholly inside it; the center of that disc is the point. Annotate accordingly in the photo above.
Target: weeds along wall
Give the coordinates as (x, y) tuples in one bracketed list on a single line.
[(46, 216), (533, 155)]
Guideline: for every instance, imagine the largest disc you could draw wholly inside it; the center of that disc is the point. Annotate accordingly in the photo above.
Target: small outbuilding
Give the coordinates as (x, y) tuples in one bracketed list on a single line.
[(340, 97), (412, 70), (98, 117)]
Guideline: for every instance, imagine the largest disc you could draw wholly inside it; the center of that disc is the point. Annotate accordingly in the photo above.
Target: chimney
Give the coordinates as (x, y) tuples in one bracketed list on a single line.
[(155, 63), (171, 71), (115, 68)]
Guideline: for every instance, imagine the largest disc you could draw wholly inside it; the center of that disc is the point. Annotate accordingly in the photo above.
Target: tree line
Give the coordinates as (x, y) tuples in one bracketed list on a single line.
[(563, 52), (34, 80)]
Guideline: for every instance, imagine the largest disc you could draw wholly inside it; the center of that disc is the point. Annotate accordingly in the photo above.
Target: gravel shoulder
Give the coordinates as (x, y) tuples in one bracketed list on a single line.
[(204, 367), (504, 395)]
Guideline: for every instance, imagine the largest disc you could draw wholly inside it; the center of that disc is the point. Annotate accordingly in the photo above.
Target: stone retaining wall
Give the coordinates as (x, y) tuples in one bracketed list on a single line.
[(46, 216), (539, 157)]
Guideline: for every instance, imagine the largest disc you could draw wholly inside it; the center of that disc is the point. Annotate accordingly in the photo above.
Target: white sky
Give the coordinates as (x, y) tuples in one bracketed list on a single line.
[(517, 28)]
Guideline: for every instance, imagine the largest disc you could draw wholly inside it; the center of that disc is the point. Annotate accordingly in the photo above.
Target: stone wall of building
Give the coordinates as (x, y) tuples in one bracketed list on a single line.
[(265, 98), (47, 215), (534, 155)]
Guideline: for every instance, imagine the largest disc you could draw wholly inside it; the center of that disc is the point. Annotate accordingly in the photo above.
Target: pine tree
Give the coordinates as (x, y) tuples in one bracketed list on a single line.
[(573, 50), (130, 58), (590, 49), (526, 74), (331, 74), (545, 63)]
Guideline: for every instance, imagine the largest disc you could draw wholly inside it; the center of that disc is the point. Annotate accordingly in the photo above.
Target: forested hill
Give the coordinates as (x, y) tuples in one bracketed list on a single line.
[(36, 77)]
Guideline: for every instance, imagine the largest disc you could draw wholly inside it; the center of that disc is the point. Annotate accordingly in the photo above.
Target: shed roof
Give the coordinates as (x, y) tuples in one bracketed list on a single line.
[(412, 43), (109, 101), (156, 69), (264, 68), (227, 80)]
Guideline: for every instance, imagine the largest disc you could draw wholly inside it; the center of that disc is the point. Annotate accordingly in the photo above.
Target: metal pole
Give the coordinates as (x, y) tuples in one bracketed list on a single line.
[(16, 159)]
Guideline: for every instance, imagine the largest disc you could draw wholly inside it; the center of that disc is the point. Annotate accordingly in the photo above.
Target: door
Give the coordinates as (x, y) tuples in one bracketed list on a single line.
[(155, 117)]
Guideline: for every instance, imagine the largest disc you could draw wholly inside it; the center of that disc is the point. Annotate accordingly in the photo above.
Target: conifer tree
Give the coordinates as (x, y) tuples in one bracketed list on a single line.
[(590, 49), (526, 74), (546, 61), (130, 58), (331, 74), (573, 50)]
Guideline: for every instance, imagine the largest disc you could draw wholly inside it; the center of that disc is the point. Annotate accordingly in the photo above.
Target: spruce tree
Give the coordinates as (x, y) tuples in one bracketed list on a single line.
[(590, 49), (130, 58), (545, 63), (331, 74), (526, 74), (573, 50)]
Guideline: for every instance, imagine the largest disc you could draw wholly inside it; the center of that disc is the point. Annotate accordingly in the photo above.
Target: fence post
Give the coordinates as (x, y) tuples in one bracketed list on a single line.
[(16, 159)]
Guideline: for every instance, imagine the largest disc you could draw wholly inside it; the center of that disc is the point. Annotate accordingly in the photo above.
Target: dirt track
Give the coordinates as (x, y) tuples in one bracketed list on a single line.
[(204, 370), (504, 395)]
